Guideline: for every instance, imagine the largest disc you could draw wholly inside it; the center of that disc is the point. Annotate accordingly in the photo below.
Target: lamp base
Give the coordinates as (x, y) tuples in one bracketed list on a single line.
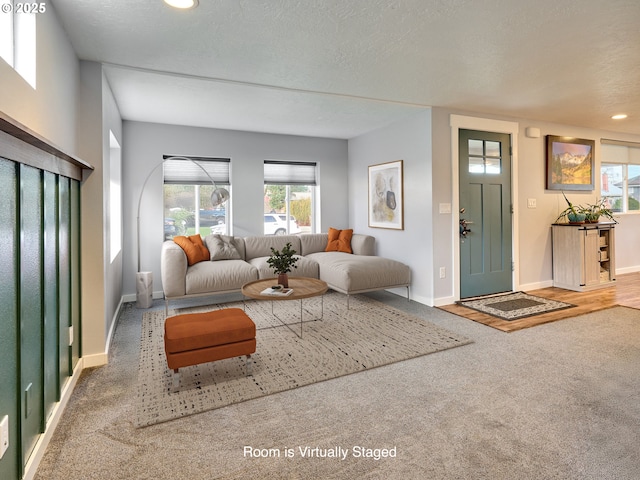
[(144, 289)]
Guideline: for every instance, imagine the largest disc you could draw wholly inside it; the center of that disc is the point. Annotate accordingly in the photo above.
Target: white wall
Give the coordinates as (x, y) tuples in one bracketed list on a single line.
[(145, 143), (50, 109), (534, 256), (535, 233), (408, 140)]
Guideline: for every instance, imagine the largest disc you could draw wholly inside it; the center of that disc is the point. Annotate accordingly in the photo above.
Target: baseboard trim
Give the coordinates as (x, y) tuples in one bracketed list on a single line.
[(132, 297), (31, 467), (439, 302), (525, 287), (112, 329), (96, 360), (622, 271)]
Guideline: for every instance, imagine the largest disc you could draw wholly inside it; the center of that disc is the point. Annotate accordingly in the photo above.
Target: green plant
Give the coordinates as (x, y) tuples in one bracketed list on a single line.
[(282, 262), (589, 213), (596, 210), (301, 210), (571, 213)]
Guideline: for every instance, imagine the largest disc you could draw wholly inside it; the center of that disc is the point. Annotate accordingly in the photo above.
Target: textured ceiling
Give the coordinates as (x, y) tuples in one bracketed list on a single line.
[(341, 68)]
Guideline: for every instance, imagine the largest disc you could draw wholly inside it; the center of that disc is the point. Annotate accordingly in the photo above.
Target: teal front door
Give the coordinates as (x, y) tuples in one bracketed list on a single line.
[(485, 213)]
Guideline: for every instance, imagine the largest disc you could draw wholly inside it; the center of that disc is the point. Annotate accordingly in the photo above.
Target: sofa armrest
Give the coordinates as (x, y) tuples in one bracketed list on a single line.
[(173, 269), (363, 244)]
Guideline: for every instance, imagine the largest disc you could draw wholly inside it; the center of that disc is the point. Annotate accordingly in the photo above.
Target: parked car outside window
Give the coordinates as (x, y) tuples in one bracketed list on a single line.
[(169, 228), (276, 224)]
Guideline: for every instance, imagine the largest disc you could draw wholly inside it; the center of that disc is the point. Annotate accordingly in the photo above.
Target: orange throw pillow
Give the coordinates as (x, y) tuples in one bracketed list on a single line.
[(339, 241), (193, 247)]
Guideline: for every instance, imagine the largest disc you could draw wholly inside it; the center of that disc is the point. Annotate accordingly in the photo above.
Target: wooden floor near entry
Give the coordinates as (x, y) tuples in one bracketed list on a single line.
[(626, 292)]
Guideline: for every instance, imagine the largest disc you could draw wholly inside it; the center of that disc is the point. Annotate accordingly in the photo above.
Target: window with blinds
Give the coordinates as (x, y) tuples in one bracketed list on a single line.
[(620, 175), (189, 182), (289, 197), (196, 170), (289, 173)]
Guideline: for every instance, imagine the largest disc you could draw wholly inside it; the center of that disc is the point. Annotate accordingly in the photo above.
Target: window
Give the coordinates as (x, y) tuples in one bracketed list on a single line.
[(187, 196), (620, 175), (485, 156), (115, 197), (18, 37), (289, 197)]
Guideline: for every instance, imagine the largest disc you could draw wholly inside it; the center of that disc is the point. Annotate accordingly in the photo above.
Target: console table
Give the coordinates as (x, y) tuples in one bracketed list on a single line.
[(583, 255)]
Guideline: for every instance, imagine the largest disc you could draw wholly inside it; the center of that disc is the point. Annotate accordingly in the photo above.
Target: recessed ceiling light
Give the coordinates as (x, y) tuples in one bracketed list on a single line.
[(182, 4), (619, 116)]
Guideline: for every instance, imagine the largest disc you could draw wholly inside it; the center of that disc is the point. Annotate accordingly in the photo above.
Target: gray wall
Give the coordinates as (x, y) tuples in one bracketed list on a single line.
[(142, 150), (111, 122), (102, 279), (408, 140)]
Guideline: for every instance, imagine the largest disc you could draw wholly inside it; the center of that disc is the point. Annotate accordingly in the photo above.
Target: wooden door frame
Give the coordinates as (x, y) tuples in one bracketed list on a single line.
[(460, 122)]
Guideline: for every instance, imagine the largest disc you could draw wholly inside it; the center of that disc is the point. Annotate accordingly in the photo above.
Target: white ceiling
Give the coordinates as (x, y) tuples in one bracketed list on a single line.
[(337, 69)]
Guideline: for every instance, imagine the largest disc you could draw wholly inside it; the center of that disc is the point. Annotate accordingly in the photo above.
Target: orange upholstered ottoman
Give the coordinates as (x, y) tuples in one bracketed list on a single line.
[(195, 338)]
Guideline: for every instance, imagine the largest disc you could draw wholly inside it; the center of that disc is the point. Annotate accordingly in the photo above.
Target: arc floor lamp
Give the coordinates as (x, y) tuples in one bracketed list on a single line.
[(144, 280)]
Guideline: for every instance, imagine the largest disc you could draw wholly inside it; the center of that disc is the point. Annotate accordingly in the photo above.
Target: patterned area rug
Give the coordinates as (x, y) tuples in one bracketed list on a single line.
[(368, 335), (513, 306)]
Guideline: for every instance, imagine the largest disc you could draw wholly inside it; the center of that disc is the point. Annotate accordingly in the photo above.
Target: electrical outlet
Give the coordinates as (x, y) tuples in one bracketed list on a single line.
[(443, 272), (4, 435)]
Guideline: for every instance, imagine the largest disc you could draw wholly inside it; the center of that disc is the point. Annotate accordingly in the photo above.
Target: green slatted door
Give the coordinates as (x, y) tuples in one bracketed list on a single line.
[(64, 284), (75, 271), (9, 464), (51, 335), (31, 311)]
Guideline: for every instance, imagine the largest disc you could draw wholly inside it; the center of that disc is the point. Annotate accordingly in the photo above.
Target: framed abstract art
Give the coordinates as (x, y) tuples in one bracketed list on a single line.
[(386, 195)]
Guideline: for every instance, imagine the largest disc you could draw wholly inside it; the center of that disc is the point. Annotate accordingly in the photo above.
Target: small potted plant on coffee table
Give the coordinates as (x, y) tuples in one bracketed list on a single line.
[(282, 262)]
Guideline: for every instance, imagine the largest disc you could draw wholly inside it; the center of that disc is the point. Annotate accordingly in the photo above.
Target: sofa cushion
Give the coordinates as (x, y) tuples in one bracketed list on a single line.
[(313, 242), (363, 244), (193, 248), (359, 273), (222, 247), (261, 246), (306, 268), (220, 276), (339, 240)]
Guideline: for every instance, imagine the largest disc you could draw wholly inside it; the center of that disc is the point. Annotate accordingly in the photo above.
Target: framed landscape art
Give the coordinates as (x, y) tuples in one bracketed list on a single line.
[(386, 195), (570, 163)]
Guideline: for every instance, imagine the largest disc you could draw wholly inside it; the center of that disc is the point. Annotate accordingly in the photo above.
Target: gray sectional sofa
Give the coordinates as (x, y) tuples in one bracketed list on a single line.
[(239, 260)]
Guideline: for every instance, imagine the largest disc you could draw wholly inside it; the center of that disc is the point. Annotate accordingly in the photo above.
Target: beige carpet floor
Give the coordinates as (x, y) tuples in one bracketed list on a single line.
[(367, 335), (559, 401)]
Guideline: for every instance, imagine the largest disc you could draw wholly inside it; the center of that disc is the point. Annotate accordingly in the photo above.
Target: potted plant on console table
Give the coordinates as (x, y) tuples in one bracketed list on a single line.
[(282, 263), (586, 214)]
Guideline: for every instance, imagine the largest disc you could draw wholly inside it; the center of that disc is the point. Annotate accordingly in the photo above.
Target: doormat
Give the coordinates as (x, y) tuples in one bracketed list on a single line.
[(513, 306)]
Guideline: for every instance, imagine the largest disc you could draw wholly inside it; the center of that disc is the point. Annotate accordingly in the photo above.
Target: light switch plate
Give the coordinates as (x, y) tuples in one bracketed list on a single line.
[(445, 208), (4, 435), (531, 203)]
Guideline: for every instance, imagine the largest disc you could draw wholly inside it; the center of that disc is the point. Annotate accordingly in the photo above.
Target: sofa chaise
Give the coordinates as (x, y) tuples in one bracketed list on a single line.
[(227, 263)]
